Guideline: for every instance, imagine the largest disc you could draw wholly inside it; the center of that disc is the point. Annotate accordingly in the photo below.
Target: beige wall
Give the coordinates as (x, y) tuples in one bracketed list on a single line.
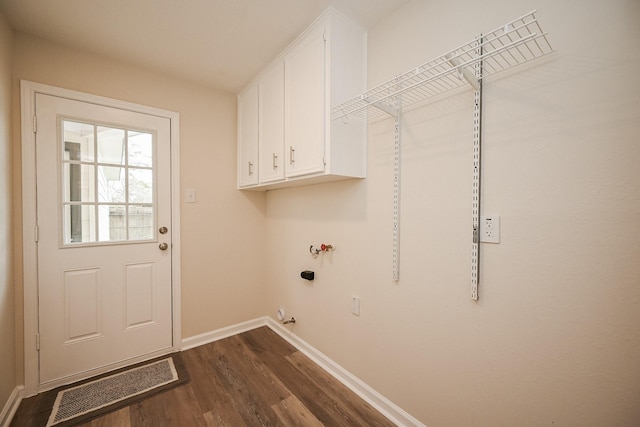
[(7, 312), (223, 234), (554, 338)]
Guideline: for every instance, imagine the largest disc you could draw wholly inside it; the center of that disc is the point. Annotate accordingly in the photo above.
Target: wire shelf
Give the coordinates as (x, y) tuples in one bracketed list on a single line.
[(515, 43)]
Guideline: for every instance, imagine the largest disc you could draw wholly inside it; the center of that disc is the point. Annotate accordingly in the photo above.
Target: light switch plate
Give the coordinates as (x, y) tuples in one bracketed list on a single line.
[(190, 195)]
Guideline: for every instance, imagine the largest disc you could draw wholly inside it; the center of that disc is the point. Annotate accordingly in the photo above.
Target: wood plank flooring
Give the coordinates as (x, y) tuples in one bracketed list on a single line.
[(252, 379)]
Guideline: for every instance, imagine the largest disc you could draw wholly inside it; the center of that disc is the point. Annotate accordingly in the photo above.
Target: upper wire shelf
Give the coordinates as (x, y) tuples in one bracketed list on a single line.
[(515, 43)]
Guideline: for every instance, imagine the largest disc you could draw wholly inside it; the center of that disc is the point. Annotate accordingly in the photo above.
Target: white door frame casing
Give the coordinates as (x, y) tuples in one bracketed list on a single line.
[(28, 91)]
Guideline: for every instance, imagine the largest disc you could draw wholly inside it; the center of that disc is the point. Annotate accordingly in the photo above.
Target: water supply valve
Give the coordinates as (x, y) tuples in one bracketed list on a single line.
[(324, 247)]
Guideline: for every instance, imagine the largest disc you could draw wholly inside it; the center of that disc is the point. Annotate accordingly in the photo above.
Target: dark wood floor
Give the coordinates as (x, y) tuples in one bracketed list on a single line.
[(251, 379)]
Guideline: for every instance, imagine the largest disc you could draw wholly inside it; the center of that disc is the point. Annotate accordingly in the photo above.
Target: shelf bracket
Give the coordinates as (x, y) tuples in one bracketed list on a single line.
[(463, 72), (389, 109)]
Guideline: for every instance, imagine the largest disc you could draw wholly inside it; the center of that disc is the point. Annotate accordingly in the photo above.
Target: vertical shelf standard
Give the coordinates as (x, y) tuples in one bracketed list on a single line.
[(475, 191)]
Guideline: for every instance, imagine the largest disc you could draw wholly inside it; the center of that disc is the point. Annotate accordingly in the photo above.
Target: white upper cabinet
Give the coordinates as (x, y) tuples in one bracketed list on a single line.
[(248, 137), (305, 107), (298, 142), (271, 126)]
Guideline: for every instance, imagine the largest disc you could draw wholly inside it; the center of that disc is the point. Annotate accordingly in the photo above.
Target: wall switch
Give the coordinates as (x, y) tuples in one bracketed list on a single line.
[(490, 229), (355, 305), (190, 195)]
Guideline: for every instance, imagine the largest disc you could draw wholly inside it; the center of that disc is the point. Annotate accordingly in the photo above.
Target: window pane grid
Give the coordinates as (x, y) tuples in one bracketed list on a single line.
[(108, 184)]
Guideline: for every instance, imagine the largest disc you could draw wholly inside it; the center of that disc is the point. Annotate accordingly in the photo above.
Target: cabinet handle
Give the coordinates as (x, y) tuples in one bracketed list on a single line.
[(292, 152), (275, 161), (250, 168)]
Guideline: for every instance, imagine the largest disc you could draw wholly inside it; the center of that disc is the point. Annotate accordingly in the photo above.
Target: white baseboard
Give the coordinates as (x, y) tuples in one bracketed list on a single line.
[(389, 409), (219, 334), (11, 406)]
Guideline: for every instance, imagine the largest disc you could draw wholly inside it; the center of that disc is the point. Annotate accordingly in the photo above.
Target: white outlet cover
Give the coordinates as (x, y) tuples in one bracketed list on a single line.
[(490, 229), (355, 305)]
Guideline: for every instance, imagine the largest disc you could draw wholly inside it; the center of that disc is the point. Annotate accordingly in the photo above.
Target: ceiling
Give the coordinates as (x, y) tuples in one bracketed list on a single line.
[(217, 43)]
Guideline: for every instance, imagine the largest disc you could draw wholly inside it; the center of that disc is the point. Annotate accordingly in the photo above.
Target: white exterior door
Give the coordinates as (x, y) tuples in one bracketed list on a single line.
[(104, 239)]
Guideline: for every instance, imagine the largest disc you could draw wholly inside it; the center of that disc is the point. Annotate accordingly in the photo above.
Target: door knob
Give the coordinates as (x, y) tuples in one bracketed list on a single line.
[(163, 246), (163, 230)]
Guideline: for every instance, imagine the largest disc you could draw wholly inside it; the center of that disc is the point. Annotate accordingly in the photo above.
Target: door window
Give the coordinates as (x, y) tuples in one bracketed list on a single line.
[(108, 185)]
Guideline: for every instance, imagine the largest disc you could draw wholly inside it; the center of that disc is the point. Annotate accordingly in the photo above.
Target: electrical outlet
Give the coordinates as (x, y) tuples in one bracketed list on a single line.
[(355, 305), (490, 229)]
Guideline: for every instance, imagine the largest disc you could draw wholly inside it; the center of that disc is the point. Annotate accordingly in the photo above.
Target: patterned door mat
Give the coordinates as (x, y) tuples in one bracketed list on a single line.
[(98, 396)]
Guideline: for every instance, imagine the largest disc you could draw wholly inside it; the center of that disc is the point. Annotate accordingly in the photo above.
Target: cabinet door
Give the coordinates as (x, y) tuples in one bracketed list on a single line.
[(305, 105), (248, 137), (271, 123)]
